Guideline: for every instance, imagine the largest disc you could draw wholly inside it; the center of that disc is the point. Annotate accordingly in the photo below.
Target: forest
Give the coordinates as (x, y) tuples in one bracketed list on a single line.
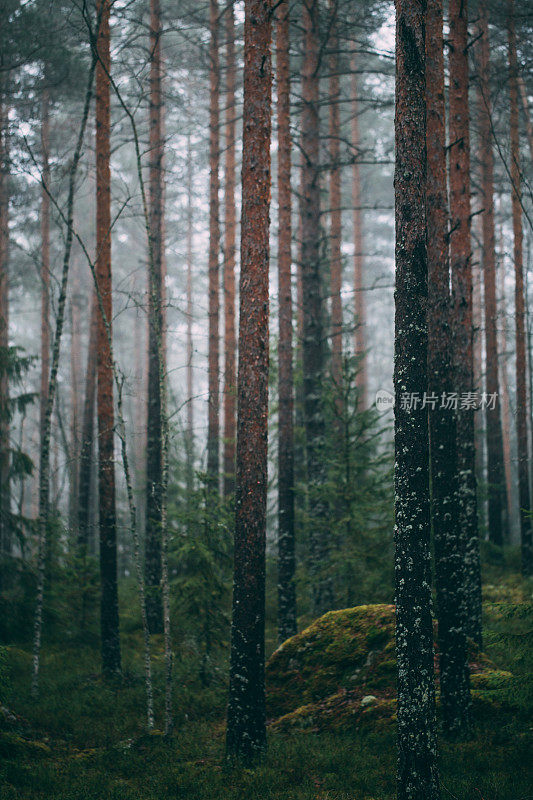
[(266, 399)]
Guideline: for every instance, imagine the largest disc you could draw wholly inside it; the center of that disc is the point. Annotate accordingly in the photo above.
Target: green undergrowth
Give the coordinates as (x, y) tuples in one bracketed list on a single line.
[(85, 740)]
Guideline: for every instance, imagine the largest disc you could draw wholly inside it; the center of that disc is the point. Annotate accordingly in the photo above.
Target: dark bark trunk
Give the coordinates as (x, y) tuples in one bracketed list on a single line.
[(493, 421), (154, 462), (189, 444), (229, 263), (75, 361), (358, 245), (213, 422), (521, 393), (287, 624), (449, 545), (246, 731), (461, 267), (313, 347), (45, 261), (5, 531), (417, 767), (110, 638), (87, 435)]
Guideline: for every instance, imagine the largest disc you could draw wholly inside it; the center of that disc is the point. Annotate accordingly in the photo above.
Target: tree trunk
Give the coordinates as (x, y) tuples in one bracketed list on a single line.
[(461, 267), (154, 463), (87, 434), (229, 262), (287, 624), (525, 106), (111, 662), (417, 767), (449, 549), (335, 239), (5, 531), (213, 422), (313, 350), (75, 361), (189, 445), (504, 380), (521, 393), (45, 261), (246, 731), (358, 246), (493, 422)]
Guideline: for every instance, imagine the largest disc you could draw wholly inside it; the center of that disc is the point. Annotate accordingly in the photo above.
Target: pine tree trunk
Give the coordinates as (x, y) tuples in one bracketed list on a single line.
[(477, 345), (189, 444), (313, 350), (87, 434), (335, 239), (504, 381), (75, 361), (154, 463), (521, 393), (45, 261), (527, 115), (493, 422), (229, 262), (110, 638), (461, 267), (246, 731), (287, 624), (449, 549), (213, 421), (358, 245), (5, 533), (417, 767)]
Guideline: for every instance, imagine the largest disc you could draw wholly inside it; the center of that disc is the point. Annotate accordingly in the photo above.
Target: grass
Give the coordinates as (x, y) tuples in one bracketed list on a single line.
[(84, 740)]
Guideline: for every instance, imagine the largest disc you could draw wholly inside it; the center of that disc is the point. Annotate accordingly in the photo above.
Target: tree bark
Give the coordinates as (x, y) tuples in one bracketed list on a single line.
[(109, 621), (5, 532), (154, 463), (87, 434), (335, 239), (45, 261), (461, 267), (521, 393), (287, 624), (230, 228), (313, 347), (417, 767), (527, 115), (449, 549), (358, 249), (213, 422), (246, 731), (189, 445), (75, 361), (493, 421), (506, 413)]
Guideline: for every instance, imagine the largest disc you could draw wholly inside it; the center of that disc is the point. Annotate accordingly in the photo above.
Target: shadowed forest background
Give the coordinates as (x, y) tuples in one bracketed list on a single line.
[(232, 237)]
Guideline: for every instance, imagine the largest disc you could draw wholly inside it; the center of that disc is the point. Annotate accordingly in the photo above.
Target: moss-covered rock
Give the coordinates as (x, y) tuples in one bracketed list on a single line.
[(341, 672)]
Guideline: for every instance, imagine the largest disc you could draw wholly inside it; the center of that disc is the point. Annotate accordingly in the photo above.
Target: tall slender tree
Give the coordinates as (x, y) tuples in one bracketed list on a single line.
[(45, 258), (87, 432), (313, 350), (189, 445), (493, 422), (417, 767), (5, 535), (449, 546), (75, 362), (229, 261), (358, 245), (287, 624), (213, 421), (154, 461), (246, 732), (518, 237), (461, 269), (110, 637)]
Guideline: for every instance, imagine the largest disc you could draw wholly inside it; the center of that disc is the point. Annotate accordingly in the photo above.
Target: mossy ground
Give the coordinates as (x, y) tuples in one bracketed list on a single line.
[(84, 740)]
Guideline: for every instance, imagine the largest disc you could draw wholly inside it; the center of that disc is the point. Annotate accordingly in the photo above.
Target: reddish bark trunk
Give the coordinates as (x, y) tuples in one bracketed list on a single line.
[(287, 624), (358, 247), (521, 393), (154, 461), (213, 422), (229, 263), (493, 422), (417, 767), (111, 663), (461, 268), (449, 547), (246, 732)]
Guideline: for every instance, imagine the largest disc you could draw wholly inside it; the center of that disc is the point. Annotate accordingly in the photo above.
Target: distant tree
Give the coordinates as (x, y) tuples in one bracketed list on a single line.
[(5, 495), (417, 764), (358, 243), (246, 723)]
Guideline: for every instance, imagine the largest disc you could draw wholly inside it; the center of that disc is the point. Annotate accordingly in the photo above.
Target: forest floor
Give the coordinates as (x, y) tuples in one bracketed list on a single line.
[(83, 739)]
